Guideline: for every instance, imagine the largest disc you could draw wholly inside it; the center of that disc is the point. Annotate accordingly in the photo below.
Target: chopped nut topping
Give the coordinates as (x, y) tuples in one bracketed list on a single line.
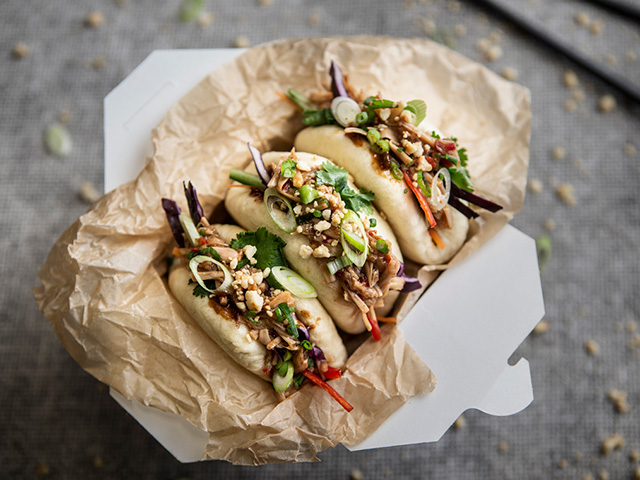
[(541, 327), (562, 464), (611, 443), (255, 301), (460, 423), (459, 30), (607, 103), (603, 475), (559, 153), (592, 348), (314, 19), (571, 79), (241, 42), (305, 251), (535, 186), (509, 73), (20, 50), (630, 150), (570, 105), (503, 446), (88, 192), (634, 455), (321, 252), (596, 27), (493, 53), (630, 56), (611, 59), (564, 191), (356, 474), (95, 19), (205, 19), (619, 400), (322, 225), (582, 19), (549, 225)]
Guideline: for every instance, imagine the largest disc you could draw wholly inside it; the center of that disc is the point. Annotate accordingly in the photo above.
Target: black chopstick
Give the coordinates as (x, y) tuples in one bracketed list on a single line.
[(566, 49), (618, 6)]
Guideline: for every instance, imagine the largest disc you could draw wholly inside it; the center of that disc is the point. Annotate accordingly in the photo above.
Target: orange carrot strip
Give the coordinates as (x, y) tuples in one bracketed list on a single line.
[(176, 252), (287, 99), (388, 319), (421, 200), (436, 238)]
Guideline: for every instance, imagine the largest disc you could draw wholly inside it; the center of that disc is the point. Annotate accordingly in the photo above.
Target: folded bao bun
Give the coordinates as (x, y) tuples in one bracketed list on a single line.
[(250, 212), (233, 336), (402, 210)]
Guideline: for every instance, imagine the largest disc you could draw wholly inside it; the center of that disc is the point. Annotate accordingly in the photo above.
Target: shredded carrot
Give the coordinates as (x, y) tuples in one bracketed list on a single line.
[(375, 328), (241, 185), (288, 100), (436, 238), (421, 200), (388, 319), (328, 388)]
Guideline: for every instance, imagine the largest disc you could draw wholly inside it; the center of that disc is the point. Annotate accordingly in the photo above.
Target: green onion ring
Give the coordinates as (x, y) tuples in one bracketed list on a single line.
[(293, 282), (225, 286), (358, 258), (286, 221)]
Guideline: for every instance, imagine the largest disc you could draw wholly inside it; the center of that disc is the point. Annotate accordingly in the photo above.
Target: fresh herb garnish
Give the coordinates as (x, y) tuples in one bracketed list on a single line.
[(269, 250), (284, 312), (301, 100), (251, 314), (288, 169), (198, 291), (298, 379), (208, 251), (314, 118), (338, 178), (306, 344), (460, 176), (382, 246), (372, 222)]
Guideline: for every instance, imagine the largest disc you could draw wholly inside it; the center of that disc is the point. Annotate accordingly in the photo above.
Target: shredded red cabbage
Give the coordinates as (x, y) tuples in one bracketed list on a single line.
[(461, 207), (303, 333), (410, 284), (260, 167), (337, 81), (172, 210), (475, 199), (317, 354), (195, 209)]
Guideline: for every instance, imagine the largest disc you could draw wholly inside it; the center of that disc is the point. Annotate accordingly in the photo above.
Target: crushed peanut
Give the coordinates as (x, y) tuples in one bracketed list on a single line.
[(454, 6), (611, 443), (535, 186), (634, 455), (314, 19), (630, 150), (630, 56), (356, 474), (636, 474), (549, 225), (603, 475), (459, 30), (95, 19), (596, 27), (88, 192), (631, 326), (494, 53), (460, 423), (241, 42), (509, 73), (619, 400), (570, 105), (321, 252), (205, 19), (611, 59), (607, 103), (559, 153), (64, 116), (570, 79), (503, 446), (564, 191), (592, 348), (305, 251), (562, 463), (582, 19), (20, 50), (541, 327)]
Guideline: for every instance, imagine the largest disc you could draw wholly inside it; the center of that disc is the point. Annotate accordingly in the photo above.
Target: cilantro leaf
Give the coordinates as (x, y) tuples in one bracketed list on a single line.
[(338, 177), (288, 169), (460, 176), (198, 291), (462, 153), (269, 250)]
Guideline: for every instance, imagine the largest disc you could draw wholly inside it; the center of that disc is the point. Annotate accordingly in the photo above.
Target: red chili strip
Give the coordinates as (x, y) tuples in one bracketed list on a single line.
[(321, 383)]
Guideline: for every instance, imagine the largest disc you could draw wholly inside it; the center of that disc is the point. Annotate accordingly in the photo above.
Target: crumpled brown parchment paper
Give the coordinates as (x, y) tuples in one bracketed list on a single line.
[(103, 286)]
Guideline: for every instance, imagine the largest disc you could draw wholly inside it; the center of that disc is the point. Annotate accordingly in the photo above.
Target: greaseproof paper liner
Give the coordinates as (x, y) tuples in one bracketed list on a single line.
[(103, 286)]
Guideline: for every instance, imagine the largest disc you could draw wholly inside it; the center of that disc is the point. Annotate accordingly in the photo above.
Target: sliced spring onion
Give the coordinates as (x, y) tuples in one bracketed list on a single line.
[(438, 199), (338, 264), (358, 257), (189, 229), (225, 286), (293, 282), (58, 140), (419, 109), (301, 100), (314, 118), (308, 194), (382, 246), (190, 9), (306, 344), (245, 178), (344, 110), (366, 117), (396, 171), (423, 186), (372, 223), (381, 146), (375, 103), (288, 168), (355, 240), (280, 210), (373, 135), (282, 382)]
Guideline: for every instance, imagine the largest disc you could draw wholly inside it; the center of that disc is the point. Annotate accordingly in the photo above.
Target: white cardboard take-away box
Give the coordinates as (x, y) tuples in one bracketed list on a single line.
[(466, 344)]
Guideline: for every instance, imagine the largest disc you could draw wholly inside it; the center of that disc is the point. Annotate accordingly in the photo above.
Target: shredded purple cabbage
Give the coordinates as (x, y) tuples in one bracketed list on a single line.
[(172, 210), (400, 270), (303, 332), (195, 209), (337, 81), (475, 199), (410, 284), (461, 207), (317, 354), (260, 166)]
